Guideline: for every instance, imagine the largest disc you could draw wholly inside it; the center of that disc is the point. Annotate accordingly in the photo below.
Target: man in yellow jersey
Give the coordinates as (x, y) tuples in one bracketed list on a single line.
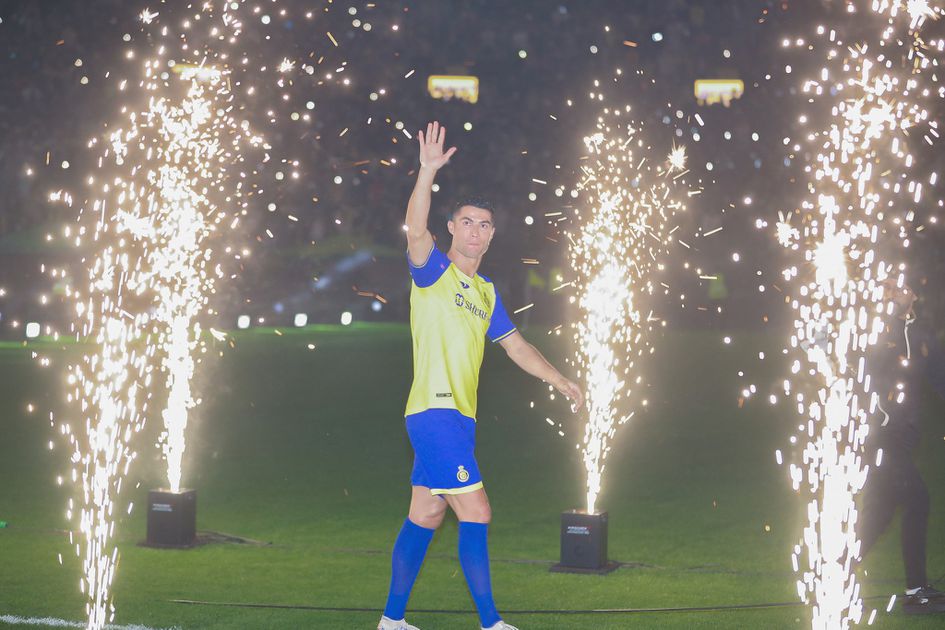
[(452, 310)]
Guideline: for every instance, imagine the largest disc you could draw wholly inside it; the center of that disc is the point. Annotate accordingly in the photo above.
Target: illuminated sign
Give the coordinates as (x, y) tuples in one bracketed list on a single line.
[(712, 91), (446, 87)]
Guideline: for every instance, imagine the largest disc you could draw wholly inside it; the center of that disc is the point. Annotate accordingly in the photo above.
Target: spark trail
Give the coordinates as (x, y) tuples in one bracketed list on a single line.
[(630, 200), (851, 237), (166, 219), (167, 177)]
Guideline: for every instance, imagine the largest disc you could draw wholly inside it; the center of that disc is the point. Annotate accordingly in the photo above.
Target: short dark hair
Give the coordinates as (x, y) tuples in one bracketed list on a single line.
[(473, 200)]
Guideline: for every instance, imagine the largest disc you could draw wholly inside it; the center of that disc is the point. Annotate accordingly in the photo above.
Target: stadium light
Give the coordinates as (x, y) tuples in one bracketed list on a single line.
[(32, 330), (301, 319), (657, 37), (376, 306), (446, 87), (243, 322)]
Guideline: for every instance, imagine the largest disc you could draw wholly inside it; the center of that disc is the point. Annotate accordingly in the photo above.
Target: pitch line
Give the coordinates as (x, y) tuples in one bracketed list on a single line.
[(52, 622)]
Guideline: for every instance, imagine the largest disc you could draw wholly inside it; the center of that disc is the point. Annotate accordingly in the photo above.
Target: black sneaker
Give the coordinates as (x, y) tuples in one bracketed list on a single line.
[(925, 600)]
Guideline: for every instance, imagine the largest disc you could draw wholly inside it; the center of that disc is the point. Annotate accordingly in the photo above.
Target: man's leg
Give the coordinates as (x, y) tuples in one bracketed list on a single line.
[(915, 520), (474, 514), (426, 514), (880, 500)]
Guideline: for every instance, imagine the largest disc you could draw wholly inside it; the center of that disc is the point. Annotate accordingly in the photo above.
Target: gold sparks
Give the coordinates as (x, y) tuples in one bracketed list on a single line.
[(852, 236), (171, 173), (287, 65), (677, 158), (174, 178), (614, 254)]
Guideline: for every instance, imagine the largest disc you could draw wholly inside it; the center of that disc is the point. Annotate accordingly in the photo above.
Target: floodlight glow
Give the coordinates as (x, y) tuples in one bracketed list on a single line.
[(446, 87), (712, 91)]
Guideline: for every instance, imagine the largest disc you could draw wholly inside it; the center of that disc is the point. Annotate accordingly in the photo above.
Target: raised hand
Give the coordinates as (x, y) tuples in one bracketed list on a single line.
[(431, 147)]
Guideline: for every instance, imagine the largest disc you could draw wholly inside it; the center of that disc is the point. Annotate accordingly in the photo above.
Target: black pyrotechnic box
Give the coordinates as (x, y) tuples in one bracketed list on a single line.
[(584, 543), (172, 518)]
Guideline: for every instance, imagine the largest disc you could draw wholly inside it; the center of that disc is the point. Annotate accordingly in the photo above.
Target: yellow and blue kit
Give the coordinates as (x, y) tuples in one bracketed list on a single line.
[(451, 314)]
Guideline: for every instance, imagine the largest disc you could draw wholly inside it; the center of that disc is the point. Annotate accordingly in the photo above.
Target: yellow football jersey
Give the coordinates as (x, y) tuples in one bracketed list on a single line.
[(451, 314)]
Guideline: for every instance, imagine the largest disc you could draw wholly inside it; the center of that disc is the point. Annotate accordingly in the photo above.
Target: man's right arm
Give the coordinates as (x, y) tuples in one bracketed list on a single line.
[(419, 239), (432, 158)]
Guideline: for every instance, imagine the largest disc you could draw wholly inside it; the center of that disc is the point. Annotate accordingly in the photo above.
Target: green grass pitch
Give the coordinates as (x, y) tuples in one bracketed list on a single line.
[(305, 450)]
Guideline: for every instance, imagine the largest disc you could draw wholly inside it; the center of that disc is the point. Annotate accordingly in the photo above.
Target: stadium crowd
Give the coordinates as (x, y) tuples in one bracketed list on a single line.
[(530, 57)]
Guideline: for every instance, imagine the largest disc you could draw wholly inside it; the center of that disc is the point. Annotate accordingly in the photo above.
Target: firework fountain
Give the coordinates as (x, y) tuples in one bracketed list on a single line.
[(172, 188), (198, 148), (631, 201), (168, 177), (850, 238)]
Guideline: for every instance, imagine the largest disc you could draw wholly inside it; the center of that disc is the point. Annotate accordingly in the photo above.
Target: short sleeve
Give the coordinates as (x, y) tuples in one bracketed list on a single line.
[(430, 271), (500, 325)]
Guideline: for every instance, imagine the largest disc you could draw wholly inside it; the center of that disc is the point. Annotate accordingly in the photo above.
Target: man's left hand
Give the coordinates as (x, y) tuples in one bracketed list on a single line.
[(573, 392)]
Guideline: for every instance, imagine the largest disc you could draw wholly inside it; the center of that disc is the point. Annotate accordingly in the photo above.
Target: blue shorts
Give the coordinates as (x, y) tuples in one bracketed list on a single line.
[(444, 444)]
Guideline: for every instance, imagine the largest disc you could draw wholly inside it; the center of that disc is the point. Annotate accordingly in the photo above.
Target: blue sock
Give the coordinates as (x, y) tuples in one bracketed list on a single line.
[(474, 556), (409, 550)]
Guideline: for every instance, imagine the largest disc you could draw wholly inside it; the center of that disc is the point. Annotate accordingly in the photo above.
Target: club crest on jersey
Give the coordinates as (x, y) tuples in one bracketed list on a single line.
[(462, 475), (459, 299)]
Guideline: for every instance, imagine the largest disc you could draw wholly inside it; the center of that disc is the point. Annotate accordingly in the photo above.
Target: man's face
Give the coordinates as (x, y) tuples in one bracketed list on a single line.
[(472, 229)]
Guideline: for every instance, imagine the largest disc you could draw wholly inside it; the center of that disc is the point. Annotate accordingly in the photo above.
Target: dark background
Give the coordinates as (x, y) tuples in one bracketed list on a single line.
[(346, 245)]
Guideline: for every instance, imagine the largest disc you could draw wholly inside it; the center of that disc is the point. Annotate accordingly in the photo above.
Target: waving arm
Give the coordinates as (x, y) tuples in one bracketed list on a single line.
[(432, 159)]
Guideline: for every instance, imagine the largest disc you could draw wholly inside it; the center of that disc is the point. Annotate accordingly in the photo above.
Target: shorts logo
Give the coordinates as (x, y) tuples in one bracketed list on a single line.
[(459, 299), (462, 475)]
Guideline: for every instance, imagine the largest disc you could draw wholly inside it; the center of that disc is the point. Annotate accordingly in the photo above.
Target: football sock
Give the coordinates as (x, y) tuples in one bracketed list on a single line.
[(474, 558), (409, 551)]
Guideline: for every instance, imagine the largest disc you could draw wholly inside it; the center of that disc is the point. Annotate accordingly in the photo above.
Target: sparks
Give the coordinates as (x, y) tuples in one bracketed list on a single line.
[(852, 236), (614, 256), (677, 158), (287, 65), (166, 168)]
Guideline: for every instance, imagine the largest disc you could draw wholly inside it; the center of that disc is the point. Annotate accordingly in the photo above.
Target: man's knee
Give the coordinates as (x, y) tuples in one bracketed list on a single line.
[(429, 515), (478, 512), (483, 514)]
